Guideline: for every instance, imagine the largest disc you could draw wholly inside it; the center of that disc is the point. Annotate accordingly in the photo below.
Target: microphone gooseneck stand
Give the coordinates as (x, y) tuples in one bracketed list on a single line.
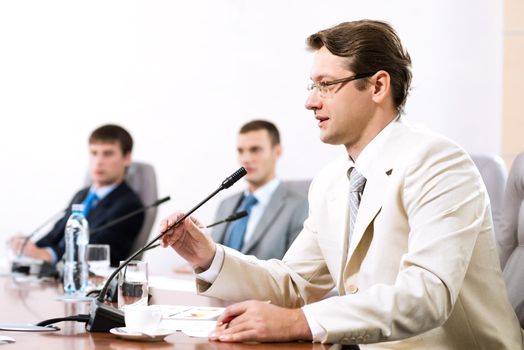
[(103, 317), (232, 217)]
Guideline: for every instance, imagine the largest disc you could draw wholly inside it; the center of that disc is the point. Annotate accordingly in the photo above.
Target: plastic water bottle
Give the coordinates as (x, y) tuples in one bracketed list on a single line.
[(76, 270)]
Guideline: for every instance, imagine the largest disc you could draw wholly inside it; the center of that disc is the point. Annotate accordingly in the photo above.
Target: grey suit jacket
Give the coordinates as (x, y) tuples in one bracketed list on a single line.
[(278, 227)]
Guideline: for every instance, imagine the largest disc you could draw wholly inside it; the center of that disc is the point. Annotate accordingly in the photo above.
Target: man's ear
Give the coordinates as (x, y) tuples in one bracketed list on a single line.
[(278, 150), (381, 82), (127, 159)]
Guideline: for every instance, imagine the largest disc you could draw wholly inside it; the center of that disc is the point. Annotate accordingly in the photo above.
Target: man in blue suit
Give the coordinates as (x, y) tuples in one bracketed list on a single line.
[(108, 198)]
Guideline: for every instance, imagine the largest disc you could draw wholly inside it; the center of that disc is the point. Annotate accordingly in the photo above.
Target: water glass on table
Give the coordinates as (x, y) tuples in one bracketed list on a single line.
[(98, 259), (133, 284)]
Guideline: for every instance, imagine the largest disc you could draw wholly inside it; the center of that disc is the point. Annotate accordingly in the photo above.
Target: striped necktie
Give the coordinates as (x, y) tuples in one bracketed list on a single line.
[(356, 187)]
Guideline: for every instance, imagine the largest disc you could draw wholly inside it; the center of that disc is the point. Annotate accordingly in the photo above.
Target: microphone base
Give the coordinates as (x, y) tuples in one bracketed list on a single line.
[(26, 266), (103, 317)]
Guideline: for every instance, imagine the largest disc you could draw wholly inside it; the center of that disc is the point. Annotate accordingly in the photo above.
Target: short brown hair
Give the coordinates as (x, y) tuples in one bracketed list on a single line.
[(113, 133), (369, 46), (255, 125)]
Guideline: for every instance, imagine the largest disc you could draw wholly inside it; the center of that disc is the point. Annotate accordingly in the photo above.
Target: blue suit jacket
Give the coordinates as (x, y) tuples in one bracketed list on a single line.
[(119, 202)]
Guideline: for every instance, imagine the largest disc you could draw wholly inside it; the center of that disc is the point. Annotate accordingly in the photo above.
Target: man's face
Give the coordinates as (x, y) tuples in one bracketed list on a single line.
[(107, 163), (258, 156), (343, 115)]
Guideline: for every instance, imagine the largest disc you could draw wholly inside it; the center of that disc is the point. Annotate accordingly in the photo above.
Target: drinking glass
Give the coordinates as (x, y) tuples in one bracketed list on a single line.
[(133, 284), (98, 259)]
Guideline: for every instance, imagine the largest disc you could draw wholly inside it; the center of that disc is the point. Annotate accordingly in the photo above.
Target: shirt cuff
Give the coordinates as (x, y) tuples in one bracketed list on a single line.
[(317, 331), (53, 255), (211, 274)]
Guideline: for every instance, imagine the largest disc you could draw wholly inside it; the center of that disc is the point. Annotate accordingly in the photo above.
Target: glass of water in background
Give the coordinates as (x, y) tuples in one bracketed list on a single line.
[(98, 259), (133, 284)]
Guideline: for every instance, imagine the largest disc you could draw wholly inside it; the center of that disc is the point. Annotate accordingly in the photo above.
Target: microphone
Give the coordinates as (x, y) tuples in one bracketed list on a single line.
[(28, 266), (103, 317), (18, 267), (228, 182), (34, 232), (129, 215), (232, 217)]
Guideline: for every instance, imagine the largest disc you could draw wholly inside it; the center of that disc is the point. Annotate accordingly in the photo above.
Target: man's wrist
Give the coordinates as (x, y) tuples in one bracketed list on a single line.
[(210, 274), (300, 325), (207, 261), (44, 254)]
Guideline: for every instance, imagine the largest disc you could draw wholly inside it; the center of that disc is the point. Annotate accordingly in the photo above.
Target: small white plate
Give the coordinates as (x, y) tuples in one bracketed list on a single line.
[(74, 299), (6, 340), (126, 333)]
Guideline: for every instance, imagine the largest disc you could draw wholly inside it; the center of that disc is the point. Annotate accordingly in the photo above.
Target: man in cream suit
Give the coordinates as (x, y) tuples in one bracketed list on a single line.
[(401, 227), (277, 217)]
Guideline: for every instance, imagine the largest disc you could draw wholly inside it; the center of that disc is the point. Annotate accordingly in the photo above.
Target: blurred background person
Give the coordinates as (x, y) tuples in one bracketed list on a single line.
[(109, 197), (276, 213)]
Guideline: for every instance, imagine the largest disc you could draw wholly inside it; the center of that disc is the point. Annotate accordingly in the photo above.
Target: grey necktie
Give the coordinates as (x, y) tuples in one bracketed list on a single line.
[(356, 187)]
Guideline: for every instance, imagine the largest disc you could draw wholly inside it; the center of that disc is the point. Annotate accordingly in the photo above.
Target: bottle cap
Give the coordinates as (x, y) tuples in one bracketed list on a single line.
[(78, 208)]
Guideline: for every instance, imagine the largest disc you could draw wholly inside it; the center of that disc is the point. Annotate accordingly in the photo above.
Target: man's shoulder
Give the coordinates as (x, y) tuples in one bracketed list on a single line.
[(124, 193), (295, 191), (405, 143), (80, 195), (414, 142), (405, 133)]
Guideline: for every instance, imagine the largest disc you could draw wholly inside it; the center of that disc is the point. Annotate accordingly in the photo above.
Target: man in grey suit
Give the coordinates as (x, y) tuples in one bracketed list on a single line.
[(276, 213)]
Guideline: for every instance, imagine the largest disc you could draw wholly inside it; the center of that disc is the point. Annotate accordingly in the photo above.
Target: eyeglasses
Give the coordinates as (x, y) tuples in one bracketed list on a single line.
[(325, 88)]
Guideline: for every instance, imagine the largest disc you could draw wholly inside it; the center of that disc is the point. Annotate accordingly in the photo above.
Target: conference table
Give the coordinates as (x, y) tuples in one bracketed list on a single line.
[(29, 300)]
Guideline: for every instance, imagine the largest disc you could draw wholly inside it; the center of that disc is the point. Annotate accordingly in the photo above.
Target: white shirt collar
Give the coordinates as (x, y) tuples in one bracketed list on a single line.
[(102, 191), (365, 160), (264, 193)]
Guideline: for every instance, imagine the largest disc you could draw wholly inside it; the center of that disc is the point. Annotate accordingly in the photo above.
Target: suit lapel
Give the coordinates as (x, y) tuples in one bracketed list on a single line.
[(98, 213), (273, 208), (337, 197), (369, 207), (376, 187)]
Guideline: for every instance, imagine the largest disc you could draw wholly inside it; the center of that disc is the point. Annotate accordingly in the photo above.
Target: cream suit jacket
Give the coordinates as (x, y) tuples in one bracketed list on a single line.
[(422, 271)]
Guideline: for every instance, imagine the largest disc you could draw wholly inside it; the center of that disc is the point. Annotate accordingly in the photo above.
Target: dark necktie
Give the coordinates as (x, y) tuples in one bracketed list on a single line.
[(235, 238)]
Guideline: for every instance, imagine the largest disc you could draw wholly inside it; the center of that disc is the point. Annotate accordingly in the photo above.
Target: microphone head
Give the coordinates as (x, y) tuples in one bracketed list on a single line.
[(161, 200), (237, 175), (237, 215)]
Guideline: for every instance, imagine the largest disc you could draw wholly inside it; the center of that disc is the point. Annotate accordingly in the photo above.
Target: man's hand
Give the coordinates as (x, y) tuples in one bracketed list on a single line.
[(189, 240), (16, 243), (260, 321), (30, 249)]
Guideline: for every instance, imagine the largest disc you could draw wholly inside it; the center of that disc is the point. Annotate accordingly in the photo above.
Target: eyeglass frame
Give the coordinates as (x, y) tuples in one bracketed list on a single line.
[(324, 84)]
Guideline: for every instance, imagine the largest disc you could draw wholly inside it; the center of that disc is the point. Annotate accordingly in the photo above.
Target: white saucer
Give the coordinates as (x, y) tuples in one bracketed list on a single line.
[(74, 298), (125, 333), (6, 340)]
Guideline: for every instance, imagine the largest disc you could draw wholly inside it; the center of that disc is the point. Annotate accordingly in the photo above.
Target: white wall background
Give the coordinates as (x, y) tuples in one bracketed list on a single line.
[(182, 76)]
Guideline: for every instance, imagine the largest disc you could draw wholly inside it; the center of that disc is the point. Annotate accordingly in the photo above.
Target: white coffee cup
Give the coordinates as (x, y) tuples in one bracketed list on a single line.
[(141, 318)]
